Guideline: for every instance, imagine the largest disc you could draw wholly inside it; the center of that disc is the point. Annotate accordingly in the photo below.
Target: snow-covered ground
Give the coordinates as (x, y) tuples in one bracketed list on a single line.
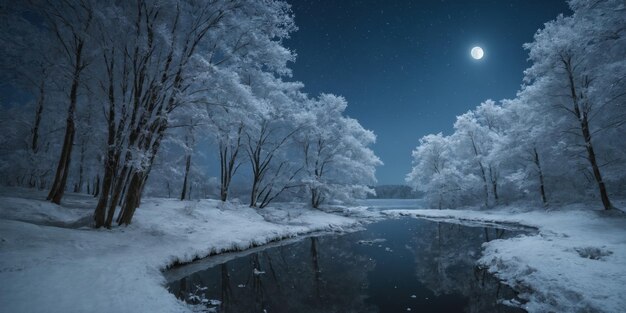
[(576, 262), (51, 261)]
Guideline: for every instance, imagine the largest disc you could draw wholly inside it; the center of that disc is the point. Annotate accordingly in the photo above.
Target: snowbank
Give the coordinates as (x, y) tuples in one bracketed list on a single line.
[(576, 262), (50, 261)]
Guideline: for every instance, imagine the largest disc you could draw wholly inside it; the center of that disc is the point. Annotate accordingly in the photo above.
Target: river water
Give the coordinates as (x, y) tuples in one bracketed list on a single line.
[(395, 265)]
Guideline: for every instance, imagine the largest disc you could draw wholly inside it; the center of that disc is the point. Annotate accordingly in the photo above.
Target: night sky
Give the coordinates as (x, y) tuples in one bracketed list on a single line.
[(405, 66)]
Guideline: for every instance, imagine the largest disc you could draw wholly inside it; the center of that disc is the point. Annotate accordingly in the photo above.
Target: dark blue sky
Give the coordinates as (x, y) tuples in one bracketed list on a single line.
[(405, 67)]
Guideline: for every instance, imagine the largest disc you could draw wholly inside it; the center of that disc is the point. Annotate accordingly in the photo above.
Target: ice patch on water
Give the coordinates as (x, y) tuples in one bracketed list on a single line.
[(371, 242)]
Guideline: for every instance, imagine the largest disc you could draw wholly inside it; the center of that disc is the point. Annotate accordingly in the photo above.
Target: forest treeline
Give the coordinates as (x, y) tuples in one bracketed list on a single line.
[(394, 192), (561, 139), (114, 98)]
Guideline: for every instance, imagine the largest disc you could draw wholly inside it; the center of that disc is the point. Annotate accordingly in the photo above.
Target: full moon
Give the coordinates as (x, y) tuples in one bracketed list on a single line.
[(477, 53)]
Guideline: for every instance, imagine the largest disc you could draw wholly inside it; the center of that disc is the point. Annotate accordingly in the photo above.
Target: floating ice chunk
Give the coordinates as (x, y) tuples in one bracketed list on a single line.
[(257, 272), (371, 242)]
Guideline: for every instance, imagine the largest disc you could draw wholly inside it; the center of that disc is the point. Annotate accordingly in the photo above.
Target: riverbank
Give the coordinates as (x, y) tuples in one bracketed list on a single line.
[(576, 262), (52, 261)]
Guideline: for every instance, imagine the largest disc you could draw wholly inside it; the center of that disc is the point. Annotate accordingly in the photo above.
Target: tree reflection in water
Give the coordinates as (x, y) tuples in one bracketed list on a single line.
[(421, 265), (445, 258)]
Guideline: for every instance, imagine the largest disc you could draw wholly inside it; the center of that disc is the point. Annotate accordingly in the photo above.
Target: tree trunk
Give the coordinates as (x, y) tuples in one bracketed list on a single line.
[(96, 188), (494, 184), (228, 163), (79, 185), (591, 156), (183, 195), (482, 172), (38, 113), (137, 183), (120, 182), (131, 201), (124, 188), (110, 162), (224, 172), (583, 119), (254, 192), (100, 212), (60, 177), (315, 198), (541, 181)]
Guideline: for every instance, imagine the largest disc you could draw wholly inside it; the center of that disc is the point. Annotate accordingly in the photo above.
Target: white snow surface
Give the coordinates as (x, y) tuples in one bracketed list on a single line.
[(576, 261), (52, 261)]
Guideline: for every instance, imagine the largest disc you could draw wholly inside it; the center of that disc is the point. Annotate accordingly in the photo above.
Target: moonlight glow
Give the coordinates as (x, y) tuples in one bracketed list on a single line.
[(477, 53)]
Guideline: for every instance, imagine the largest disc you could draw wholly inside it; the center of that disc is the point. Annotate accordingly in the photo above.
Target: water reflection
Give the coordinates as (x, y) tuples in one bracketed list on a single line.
[(420, 266), (445, 257)]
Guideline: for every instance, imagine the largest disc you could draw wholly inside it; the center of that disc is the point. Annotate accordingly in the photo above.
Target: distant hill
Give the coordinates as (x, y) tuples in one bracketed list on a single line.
[(394, 192)]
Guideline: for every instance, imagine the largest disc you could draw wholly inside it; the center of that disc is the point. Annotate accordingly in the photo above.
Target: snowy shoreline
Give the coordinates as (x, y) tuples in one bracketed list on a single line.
[(66, 269), (575, 262)]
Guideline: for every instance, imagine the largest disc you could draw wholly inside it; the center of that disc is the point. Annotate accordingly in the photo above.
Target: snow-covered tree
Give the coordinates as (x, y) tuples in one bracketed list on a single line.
[(338, 162), (571, 56), (140, 84), (560, 136), (179, 54)]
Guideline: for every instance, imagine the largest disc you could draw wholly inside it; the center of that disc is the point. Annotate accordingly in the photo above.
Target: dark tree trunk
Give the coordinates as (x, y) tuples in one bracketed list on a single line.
[(316, 198), (494, 185), (183, 194), (583, 119), (96, 188), (261, 163), (60, 179), (79, 186), (100, 212), (124, 188), (269, 191), (63, 167), (189, 143), (542, 189), (254, 193), (137, 183), (224, 177), (485, 187), (120, 182), (38, 113), (131, 201), (228, 164), (111, 159), (591, 156), (482, 171), (493, 174)]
